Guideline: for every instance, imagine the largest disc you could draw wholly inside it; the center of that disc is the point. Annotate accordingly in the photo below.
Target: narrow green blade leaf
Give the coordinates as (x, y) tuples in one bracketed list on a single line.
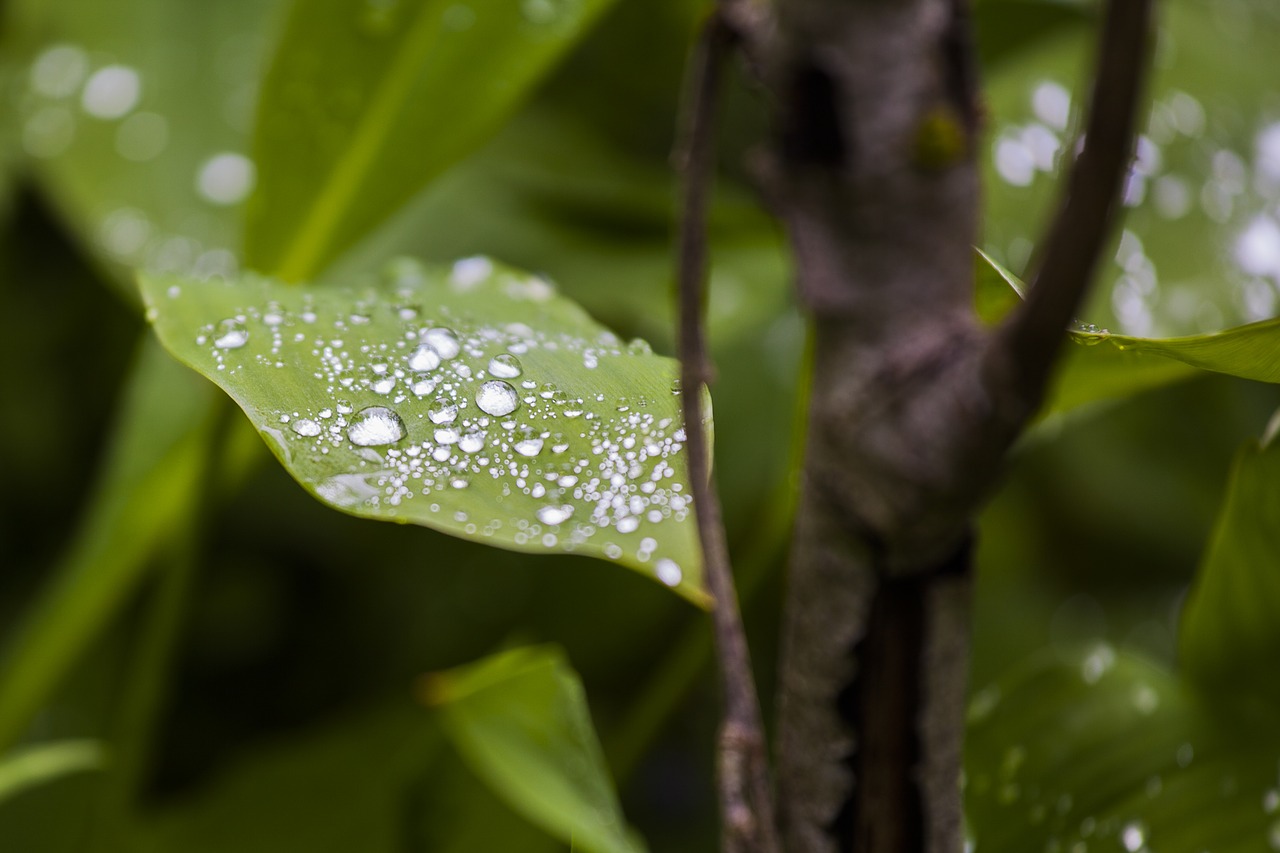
[(1111, 752), (1106, 366), (474, 401), (149, 482), (1231, 628), (365, 103), (35, 765), (520, 719)]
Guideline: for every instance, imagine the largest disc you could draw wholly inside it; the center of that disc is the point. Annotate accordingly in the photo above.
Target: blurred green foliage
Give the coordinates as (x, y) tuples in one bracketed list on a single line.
[(288, 718)]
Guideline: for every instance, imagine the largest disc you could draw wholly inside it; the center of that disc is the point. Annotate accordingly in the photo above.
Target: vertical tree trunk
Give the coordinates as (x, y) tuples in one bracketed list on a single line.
[(873, 172)]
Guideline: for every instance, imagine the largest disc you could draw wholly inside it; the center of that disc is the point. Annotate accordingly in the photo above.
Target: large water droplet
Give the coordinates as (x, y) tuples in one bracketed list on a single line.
[(472, 442), (231, 335), (669, 572), (424, 357), (497, 398), (554, 514), (423, 384), (505, 366), (384, 384), (446, 435), (531, 446), (444, 341), (443, 411), (374, 426), (306, 428)]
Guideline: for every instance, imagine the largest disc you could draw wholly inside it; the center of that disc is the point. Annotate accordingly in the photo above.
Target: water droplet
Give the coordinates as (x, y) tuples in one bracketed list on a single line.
[(496, 398), (111, 92), (58, 71), (472, 442), (1133, 836), (231, 335), (226, 178), (529, 446), (443, 411), (505, 366), (469, 272), (459, 483), (375, 426), (423, 384), (628, 525), (444, 341), (639, 346), (446, 435), (668, 572), (384, 384), (554, 514), (424, 357), (306, 428)]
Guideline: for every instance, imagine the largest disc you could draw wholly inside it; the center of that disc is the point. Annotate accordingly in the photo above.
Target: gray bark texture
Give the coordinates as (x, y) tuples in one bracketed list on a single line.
[(913, 405)]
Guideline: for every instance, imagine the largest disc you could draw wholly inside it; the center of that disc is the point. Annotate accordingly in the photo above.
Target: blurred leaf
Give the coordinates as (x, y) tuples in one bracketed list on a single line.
[(1230, 630), (521, 721), (148, 484), (1008, 27), (365, 104), (476, 402), (134, 119), (335, 789), (34, 765), (1111, 752), (1107, 366)]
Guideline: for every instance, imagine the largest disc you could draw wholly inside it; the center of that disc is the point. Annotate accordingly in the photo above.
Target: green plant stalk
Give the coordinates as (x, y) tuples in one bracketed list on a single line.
[(143, 698)]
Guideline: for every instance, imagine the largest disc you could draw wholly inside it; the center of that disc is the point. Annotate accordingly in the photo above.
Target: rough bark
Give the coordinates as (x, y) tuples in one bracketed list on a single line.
[(913, 405)]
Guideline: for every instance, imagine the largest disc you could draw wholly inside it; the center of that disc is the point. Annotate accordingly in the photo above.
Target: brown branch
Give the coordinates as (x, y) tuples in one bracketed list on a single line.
[(1029, 341), (745, 795)]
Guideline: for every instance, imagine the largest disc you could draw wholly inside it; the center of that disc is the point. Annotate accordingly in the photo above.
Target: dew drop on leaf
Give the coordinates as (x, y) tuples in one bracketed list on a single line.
[(443, 412), (424, 357), (554, 514), (375, 426), (669, 572), (505, 366), (231, 335), (496, 398), (443, 341), (472, 442), (306, 427), (531, 446)]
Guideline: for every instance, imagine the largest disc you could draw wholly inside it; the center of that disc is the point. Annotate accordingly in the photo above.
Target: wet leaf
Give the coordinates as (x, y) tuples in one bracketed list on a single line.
[(34, 765), (365, 103), (1111, 752), (520, 719), (1230, 632), (472, 400)]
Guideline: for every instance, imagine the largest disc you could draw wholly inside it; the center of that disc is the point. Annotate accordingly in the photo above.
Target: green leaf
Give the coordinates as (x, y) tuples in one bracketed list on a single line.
[(34, 765), (366, 103), (426, 396), (1230, 630), (1106, 366), (1110, 752), (520, 719), (1008, 27), (148, 484), (170, 88)]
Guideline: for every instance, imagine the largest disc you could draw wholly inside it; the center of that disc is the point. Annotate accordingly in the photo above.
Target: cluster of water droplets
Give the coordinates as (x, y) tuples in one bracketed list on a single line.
[(421, 403)]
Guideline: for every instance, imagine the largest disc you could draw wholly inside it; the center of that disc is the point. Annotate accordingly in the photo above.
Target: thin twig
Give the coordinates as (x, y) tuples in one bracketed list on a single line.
[(1030, 339), (746, 799)]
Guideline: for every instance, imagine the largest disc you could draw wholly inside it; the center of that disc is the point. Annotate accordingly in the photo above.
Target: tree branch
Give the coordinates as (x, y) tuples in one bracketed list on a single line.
[(745, 793), (1029, 340)]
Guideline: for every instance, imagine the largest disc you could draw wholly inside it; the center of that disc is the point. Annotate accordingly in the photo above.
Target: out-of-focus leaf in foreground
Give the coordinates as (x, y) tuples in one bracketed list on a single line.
[(1230, 630), (34, 765), (520, 720), (1110, 752), (472, 400), (367, 102)]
